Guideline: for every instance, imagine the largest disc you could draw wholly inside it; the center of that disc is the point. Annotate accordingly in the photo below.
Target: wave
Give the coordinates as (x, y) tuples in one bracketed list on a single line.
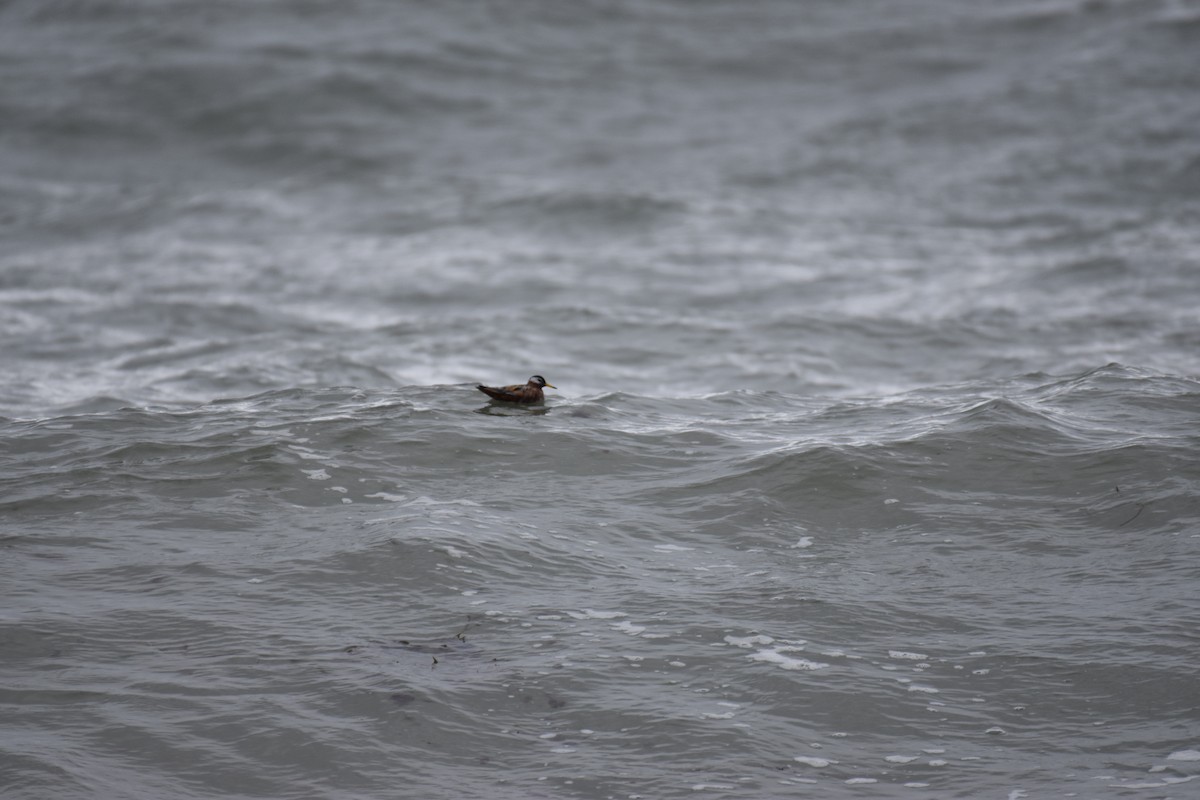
[(1079, 442), (876, 549), (569, 213)]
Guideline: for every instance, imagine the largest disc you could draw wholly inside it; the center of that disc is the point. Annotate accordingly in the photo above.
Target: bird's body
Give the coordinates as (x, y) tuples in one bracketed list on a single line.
[(529, 393)]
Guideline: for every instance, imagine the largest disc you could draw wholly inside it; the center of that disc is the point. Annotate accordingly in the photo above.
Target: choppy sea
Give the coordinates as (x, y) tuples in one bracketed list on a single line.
[(873, 469)]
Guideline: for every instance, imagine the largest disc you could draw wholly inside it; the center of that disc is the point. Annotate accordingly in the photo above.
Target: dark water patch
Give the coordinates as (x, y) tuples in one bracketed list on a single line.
[(574, 214)]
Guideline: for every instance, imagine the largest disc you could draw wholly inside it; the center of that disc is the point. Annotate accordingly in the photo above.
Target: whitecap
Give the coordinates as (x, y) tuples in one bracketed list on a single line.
[(1185, 755), (591, 613), (748, 641), (906, 655), (786, 662), (1166, 781)]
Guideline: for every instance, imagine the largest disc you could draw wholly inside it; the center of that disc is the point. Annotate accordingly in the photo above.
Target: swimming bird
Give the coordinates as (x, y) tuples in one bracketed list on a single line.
[(529, 393)]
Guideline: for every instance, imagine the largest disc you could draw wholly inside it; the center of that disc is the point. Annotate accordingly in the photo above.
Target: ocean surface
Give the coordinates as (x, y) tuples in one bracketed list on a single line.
[(873, 469)]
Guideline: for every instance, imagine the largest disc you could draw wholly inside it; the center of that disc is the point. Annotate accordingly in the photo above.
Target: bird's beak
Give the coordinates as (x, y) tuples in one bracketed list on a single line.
[(551, 386)]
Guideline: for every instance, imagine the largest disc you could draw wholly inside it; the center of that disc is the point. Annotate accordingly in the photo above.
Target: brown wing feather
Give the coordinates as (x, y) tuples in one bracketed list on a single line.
[(517, 393)]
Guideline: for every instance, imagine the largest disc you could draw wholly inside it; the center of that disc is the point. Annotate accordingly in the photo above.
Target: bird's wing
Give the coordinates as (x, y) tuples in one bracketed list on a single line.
[(501, 392)]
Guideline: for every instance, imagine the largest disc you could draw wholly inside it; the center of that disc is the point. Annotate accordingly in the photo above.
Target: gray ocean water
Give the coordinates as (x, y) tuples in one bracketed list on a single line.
[(873, 466)]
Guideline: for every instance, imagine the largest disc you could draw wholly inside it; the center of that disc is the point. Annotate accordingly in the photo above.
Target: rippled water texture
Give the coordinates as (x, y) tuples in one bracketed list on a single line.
[(872, 468)]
